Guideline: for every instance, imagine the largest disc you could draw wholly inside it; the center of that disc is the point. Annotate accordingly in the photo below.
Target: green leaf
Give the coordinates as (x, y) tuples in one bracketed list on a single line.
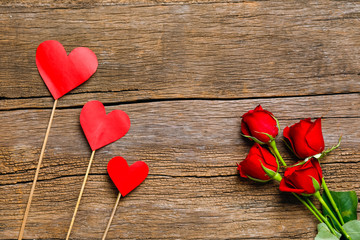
[(268, 172), (320, 156), (253, 138), (268, 135), (346, 202), (258, 180), (315, 184), (325, 234), (353, 229)]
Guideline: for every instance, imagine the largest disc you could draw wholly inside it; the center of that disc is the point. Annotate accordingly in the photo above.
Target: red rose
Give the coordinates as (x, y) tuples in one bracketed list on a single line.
[(252, 168), (256, 122), (302, 178), (305, 137)]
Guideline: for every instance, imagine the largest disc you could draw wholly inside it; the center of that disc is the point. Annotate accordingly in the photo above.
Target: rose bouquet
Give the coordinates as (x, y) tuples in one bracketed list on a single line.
[(304, 179)]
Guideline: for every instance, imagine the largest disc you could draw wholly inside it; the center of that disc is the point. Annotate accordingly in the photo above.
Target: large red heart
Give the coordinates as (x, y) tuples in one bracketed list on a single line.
[(101, 129), (124, 177), (60, 72)]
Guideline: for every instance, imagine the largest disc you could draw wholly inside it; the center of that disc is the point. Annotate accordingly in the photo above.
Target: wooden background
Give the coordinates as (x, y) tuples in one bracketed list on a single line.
[(185, 72)]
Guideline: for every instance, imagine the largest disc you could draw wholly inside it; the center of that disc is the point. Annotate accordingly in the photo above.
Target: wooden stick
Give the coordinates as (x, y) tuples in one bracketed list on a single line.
[(80, 195), (112, 216), (21, 233)]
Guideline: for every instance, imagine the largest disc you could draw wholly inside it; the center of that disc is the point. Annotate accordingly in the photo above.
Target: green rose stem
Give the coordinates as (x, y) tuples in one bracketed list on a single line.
[(272, 145), (278, 178), (321, 216), (319, 197), (332, 201), (309, 207), (307, 203)]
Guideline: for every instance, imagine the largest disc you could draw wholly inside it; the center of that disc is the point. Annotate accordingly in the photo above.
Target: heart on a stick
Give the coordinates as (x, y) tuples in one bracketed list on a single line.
[(126, 178), (100, 128), (61, 72)]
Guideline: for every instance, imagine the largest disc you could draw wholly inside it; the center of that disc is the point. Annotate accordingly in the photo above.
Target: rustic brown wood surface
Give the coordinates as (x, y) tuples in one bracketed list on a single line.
[(185, 72)]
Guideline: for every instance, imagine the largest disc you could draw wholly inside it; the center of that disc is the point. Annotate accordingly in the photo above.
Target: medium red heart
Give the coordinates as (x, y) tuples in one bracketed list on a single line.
[(124, 177), (101, 129), (60, 72)]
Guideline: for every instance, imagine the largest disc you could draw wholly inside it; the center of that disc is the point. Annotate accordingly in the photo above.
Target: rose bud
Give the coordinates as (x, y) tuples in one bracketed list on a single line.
[(259, 125), (303, 178), (258, 164), (305, 137)]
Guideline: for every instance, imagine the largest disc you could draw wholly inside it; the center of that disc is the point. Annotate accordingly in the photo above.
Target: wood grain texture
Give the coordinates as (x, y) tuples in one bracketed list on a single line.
[(185, 72), (218, 50)]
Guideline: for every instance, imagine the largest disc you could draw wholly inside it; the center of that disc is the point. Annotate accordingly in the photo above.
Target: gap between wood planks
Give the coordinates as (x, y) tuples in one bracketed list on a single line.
[(104, 174), (167, 100), (153, 175)]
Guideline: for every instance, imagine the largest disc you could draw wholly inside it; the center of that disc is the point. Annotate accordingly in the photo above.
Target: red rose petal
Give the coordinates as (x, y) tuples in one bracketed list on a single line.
[(314, 137)]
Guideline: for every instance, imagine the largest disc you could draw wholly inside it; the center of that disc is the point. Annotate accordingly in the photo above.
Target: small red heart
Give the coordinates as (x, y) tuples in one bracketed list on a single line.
[(60, 72), (101, 129), (124, 177)]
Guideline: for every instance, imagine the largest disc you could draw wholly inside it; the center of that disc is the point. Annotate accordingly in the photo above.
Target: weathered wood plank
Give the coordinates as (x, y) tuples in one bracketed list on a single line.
[(87, 4), (185, 71), (192, 192), (219, 50)]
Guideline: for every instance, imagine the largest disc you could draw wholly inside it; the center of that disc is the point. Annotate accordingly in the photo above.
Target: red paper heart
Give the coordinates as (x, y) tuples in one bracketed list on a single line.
[(124, 177), (60, 72), (101, 129)]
